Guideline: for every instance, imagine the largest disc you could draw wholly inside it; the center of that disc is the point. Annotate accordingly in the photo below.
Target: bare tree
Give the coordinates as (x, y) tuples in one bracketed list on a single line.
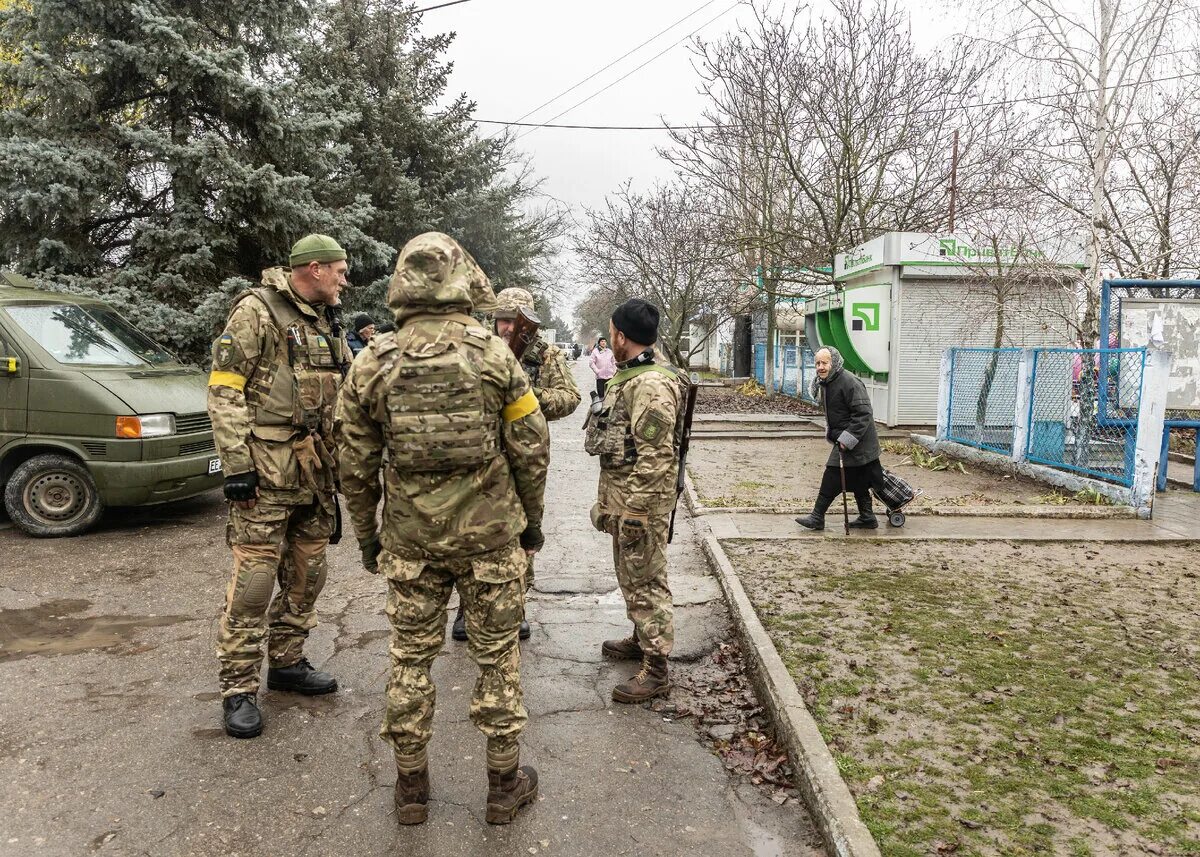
[(820, 135), (1105, 56), (665, 247)]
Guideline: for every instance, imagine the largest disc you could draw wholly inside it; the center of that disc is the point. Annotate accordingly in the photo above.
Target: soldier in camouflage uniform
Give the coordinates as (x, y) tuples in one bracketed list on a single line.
[(276, 369), (637, 434), (467, 448), (546, 367)]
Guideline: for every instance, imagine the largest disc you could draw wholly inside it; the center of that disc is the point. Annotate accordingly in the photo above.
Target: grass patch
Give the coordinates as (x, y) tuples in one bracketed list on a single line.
[(1044, 704)]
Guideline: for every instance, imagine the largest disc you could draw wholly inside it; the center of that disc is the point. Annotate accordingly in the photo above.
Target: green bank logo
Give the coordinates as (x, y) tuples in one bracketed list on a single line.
[(952, 247), (868, 314), (853, 261)]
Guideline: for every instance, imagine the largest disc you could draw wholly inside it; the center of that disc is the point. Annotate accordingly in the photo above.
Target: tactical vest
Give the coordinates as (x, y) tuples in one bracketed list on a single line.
[(436, 416), (610, 432), (297, 378)]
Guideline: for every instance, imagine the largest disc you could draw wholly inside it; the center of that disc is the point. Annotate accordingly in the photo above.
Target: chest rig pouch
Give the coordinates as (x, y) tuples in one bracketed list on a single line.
[(436, 415), (296, 382), (610, 433)]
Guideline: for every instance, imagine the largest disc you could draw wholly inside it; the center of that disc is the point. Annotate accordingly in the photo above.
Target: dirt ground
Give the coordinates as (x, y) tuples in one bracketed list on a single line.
[(727, 400), (786, 474), (997, 698)]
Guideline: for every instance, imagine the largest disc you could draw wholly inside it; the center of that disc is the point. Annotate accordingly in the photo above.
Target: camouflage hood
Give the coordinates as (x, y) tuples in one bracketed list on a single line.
[(435, 274)]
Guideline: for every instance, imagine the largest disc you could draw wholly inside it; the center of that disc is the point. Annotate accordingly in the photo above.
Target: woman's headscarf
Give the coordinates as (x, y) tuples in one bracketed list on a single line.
[(835, 366)]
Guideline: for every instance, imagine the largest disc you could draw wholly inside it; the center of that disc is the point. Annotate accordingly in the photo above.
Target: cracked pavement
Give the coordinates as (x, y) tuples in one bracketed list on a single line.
[(110, 726)]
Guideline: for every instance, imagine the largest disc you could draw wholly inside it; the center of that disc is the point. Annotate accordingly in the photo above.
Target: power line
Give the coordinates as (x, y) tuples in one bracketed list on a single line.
[(731, 126), (601, 127), (519, 120), (439, 6), (635, 70)]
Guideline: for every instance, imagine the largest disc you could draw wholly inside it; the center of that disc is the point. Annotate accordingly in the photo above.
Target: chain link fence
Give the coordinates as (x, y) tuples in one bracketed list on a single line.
[(1083, 410), (983, 397)]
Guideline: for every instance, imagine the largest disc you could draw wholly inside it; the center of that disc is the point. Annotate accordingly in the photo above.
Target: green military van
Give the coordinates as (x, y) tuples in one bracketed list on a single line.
[(93, 413)]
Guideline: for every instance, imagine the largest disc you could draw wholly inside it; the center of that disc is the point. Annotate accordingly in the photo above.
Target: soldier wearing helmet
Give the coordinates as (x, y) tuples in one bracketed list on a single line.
[(546, 367), (462, 489)]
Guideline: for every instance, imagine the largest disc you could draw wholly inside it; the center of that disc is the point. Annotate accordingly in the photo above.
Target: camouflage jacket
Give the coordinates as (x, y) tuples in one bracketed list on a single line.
[(274, 380), (636, 434), (551, 378), (446, 493)]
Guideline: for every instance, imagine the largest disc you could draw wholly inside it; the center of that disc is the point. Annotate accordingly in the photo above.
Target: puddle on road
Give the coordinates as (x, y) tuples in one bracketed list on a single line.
[(50, 629)]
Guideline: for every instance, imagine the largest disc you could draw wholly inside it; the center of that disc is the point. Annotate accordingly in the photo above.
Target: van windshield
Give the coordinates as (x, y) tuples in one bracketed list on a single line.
[(94, 335)]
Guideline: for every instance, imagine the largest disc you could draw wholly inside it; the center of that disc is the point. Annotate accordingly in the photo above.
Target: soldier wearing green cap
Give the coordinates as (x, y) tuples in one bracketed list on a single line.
[(276, 370)]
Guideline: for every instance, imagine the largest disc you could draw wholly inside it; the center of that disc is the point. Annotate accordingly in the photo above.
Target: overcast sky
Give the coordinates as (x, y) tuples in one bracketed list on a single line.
[(512, 55)]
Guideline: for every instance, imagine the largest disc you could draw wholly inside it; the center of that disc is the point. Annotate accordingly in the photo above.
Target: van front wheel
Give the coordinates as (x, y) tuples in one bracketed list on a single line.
[(52, 495)]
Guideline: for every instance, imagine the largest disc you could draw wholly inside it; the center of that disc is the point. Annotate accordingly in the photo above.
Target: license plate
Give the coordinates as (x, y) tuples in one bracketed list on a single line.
[(214, 465)]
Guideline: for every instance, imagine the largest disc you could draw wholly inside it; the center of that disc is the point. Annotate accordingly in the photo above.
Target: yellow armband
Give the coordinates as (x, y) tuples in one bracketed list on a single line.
[(227, 379), (522, 407)]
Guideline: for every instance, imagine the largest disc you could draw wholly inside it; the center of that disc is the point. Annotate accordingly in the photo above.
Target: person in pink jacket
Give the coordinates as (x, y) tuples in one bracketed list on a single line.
[(603, 364)]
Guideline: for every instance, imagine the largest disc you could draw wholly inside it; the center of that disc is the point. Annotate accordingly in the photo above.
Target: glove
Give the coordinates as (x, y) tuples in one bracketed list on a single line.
[(371, 549), (630, 532), (241, 486), (532, 539)]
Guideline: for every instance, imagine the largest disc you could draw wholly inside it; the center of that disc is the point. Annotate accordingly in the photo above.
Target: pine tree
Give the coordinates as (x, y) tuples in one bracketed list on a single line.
[(422, 163), (161, 153)]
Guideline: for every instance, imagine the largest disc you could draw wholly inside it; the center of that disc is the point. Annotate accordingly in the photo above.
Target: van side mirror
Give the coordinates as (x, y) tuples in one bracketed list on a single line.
[(12, 365)]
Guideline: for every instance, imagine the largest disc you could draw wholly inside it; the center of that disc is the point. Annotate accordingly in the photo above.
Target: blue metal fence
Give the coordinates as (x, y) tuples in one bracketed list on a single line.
[(760, 362), (983, 397), (1083, 410)]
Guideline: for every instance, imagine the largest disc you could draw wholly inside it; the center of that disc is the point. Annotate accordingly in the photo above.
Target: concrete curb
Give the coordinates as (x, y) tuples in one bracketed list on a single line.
[(816, 773)]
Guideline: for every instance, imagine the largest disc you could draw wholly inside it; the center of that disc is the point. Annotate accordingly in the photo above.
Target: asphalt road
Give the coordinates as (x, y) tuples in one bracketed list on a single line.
[(110, 736)]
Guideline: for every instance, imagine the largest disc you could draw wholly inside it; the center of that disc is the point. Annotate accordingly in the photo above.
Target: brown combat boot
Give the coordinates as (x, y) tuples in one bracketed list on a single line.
[(509, 787), (412, 788), (650, 682), (628, 649)]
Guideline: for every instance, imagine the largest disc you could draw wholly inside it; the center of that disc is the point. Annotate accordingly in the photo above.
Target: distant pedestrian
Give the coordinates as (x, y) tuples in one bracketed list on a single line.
[(363, 328), (850, 427), (603, 365)]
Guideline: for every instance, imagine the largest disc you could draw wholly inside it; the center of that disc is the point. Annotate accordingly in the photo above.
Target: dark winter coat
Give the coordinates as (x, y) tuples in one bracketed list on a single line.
[(850, 420), (355, 341)]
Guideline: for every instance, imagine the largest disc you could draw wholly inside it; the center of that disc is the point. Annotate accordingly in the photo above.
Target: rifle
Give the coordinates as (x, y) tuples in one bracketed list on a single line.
[(524, 332), (684, 443)]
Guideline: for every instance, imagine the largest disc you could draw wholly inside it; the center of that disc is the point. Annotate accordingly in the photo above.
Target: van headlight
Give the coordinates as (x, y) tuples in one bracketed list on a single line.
[(146, 425)]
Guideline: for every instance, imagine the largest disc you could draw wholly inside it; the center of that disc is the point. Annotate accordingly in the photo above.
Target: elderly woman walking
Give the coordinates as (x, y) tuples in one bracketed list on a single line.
[(850, 426)]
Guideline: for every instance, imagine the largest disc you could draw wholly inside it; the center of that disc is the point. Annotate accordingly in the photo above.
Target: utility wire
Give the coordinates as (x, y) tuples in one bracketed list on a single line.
[(520, 119), (439, 6), (635, 70), (667, 127)]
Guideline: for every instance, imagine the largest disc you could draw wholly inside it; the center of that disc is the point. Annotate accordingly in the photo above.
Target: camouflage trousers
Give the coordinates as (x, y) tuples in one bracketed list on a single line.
[(271, 543), (492, 589), (641, 565)]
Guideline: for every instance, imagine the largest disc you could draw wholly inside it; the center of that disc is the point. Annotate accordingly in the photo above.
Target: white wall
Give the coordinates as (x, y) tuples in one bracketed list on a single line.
[(938, 314)]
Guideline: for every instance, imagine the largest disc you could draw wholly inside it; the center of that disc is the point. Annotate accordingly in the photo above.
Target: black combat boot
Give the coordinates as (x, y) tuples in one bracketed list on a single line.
[(525, 631), (242, 717), (650, 682), (412, 788), (509, 787), (866, 519), (458, 631), (815, 520), (628, 649), (300, 677)]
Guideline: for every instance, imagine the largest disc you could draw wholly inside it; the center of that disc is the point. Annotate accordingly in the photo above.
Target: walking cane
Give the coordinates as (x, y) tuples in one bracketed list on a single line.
[(845, 502)]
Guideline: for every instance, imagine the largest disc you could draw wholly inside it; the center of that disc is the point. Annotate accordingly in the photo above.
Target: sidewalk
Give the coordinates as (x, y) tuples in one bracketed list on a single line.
[(1176, 518), (615, 779), (110, 736)]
